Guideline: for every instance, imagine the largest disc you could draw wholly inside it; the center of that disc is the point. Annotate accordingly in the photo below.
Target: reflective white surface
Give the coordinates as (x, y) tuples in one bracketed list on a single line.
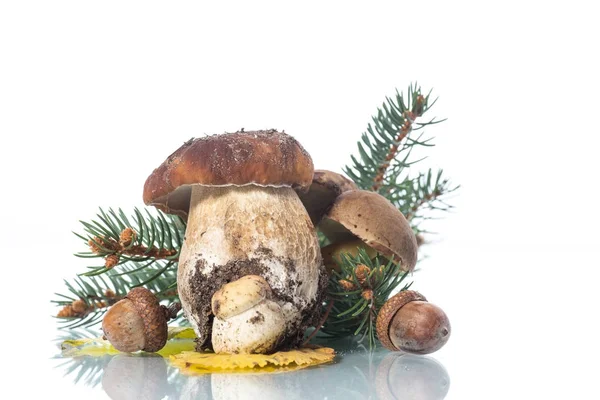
[(357, 374)]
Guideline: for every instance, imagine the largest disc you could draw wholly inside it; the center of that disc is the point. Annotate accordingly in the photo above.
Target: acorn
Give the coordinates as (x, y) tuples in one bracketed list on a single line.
[(138, 322), (407, 322)]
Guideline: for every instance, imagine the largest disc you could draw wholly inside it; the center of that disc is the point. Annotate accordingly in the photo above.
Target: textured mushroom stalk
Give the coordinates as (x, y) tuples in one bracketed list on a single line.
[(407, 322), (247, 230)]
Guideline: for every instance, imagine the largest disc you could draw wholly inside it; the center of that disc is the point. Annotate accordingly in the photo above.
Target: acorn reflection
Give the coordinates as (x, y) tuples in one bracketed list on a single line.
[(135, 377), (406, 376)]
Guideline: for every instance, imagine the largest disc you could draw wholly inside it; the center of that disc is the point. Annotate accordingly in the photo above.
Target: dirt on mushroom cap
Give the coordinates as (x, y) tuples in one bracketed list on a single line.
[(264, 158)]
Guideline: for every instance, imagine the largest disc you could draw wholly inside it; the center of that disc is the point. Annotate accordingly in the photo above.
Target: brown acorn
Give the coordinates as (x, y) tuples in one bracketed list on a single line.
[(138, 322), (407, 322)]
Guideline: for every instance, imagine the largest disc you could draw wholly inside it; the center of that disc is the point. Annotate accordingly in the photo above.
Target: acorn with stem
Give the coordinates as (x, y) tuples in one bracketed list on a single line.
[(138, 322)]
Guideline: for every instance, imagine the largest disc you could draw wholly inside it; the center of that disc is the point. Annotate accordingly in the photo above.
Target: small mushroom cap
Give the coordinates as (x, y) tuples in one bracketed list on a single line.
[(264, 158), (153, 316), (325, 187), (373, 219), (257, 330), (238, 296)]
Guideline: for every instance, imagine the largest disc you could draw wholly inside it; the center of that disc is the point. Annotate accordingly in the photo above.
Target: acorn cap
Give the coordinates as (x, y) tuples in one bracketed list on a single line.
[(153, 316), (373, 219), (389, 310), (325, 187), (263, 158)]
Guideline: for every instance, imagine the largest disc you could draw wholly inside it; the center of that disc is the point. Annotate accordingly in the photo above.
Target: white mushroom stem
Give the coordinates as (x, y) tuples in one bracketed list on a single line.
[(239, 227)]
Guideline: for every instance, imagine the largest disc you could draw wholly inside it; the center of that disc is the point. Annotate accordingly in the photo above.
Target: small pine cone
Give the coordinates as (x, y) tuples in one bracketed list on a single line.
[(93, 243), (79, 306), (367, 294), (419, 106), (347, 285), (66, 312), (362, 273), (111, 261), (127, 236), (109, 293)]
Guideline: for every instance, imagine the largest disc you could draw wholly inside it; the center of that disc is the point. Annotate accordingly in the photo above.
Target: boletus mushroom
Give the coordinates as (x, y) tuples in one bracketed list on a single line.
[(244, 218), (359, 218)]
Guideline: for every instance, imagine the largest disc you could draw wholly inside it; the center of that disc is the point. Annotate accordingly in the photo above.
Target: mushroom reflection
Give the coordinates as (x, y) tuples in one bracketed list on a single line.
[(379, 375)]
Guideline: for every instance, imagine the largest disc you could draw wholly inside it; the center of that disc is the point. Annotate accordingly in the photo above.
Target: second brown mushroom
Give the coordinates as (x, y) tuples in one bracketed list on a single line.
[(360, 218)]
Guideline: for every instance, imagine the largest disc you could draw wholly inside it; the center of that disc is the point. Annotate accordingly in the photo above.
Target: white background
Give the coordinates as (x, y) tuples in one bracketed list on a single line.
[(95, 95)]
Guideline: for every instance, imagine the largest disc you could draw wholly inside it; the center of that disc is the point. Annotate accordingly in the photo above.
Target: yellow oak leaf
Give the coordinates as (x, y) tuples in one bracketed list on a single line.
[(191, 362)]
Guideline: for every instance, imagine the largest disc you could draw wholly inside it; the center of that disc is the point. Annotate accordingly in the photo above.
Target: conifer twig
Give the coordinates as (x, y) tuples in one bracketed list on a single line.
[(410, 117), (146, 255), (113, 250), (420, 202)]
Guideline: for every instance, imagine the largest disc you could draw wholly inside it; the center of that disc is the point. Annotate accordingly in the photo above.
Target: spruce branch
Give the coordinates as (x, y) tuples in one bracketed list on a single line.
[(358, 291), (385, 156), (409, 118), (417, 196), (145, 247), (385, 148), (147, 238)]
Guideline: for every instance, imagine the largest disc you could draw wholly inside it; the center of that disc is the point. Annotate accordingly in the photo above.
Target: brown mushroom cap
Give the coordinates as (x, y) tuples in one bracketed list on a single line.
[(325, 187), (373, 219), (264, 158), (153, 315)]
